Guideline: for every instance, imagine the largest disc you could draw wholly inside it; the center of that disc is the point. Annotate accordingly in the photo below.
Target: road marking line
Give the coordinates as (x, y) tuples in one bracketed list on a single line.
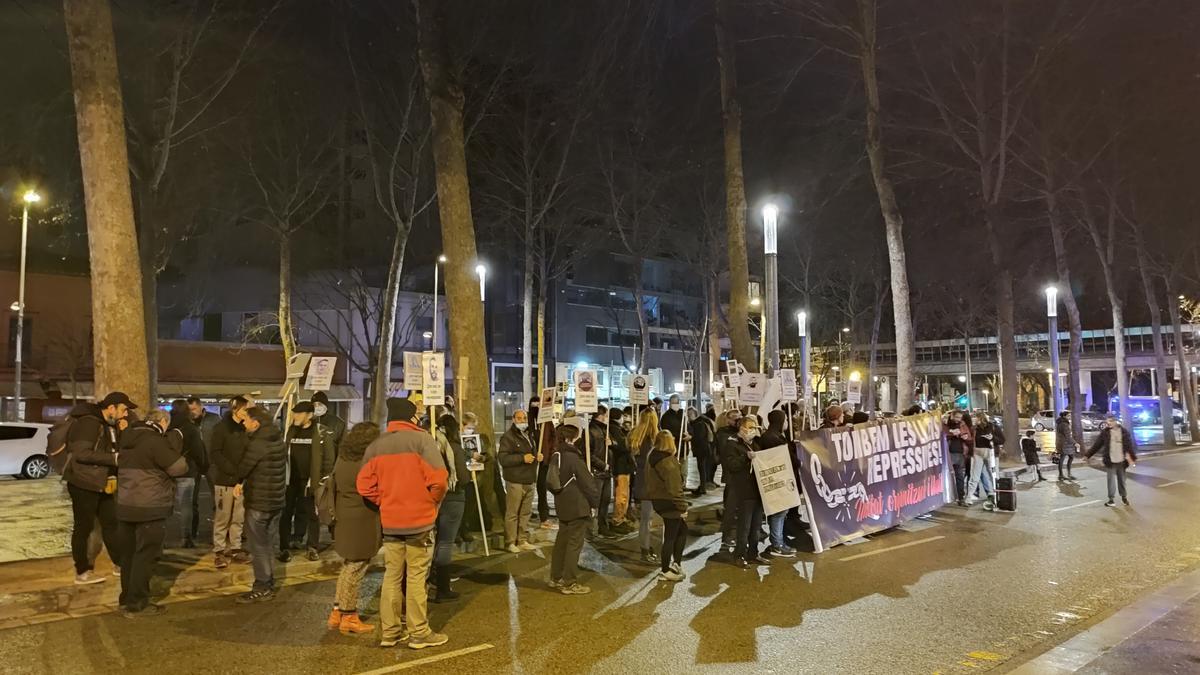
[(1174, 482), (891, 548), (1074, 506), (428, 659)]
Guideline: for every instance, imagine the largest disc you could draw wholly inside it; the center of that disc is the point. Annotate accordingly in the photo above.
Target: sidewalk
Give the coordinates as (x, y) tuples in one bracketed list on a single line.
[(1011, 467), (1156, 634)]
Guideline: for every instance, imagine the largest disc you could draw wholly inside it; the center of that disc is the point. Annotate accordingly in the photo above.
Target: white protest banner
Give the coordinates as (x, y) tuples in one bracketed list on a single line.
[(854, 391), (586, 400), (433, 378), (787, 382), (320, 373), (546, 406), (735, 373), (776, 481), (752, 389), (639, 390), (412, 371), (689, 384), (731, 397)]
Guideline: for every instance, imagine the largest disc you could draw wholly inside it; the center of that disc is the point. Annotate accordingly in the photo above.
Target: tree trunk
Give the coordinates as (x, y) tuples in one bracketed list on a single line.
[(527, 323), (1006, 330), (382, 377), (714, 337), (1103, 251), (735, 194), (118, 319), (287, 334), (150, 323), (1062, 264), (467, 336), (894, 222), (1166, 411), (1185, 373)]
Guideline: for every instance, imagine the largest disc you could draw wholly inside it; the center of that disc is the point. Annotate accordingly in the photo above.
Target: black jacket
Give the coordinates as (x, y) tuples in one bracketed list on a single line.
[(704, 437), (336, 427), (580, 493), (514, 445), (92, 443), (226, 445), (146, 475), (264, 470), (358, 531), (623, 463), (672, 421), (771, 438), (735, 463), (1062, 435), (1104, 440), (185, 436), (601, 453), (664, 485)]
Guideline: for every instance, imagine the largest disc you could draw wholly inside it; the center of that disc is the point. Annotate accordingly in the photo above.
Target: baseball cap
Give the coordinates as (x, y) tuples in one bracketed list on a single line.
[(117, 398), (304, 407)]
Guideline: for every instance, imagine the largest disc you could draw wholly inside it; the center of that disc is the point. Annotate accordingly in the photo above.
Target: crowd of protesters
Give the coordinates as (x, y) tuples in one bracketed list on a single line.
[(407, 490)]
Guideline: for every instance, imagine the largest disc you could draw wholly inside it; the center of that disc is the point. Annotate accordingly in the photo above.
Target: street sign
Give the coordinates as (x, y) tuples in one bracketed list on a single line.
[(689, 384), (412, 371), (752, 389), (320, 373), (433, 378), (546, 406), (586, 400), (787, 382), (639, 390), (854, 391)]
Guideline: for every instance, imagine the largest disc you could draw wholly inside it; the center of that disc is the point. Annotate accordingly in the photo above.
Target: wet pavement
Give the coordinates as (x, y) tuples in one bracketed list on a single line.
[(963, 591)]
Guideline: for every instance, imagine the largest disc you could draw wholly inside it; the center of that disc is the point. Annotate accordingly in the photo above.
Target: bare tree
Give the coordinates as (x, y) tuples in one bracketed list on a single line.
[(118, 319)]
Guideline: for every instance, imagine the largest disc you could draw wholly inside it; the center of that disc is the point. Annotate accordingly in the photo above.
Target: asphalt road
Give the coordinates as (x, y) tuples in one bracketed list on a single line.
[(963, 592)]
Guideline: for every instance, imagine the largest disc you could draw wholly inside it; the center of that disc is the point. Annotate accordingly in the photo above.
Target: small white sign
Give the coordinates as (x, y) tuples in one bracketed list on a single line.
[(320, 373), (546, 406), (735, 373), (776, 480), (854, 391), (412, 371), (639, 390), (753, 388), (433, 378), (470, 446), (787, 383), (689, 384), (586, 399)]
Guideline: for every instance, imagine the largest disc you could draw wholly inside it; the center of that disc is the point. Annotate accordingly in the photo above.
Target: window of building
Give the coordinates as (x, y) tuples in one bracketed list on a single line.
[(596, 335), (213, 328)]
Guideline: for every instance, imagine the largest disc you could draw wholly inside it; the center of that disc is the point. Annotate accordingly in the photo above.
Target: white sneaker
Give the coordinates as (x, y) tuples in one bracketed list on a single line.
[(971, 501), (513, 548), (117, 572), (526, 546), (670, 575), (88, 578)]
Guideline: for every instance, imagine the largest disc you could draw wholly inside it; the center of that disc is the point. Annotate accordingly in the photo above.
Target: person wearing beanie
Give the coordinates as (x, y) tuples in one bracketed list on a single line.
[(325, 416), (311, 454), (404, 475)]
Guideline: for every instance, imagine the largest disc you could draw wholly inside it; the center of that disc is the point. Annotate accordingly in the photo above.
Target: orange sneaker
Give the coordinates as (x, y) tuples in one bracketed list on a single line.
[(335, 619), (351, 625)]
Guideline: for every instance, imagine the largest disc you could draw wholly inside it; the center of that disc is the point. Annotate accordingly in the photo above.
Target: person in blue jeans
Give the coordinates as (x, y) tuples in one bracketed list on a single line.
[(263, 474), (771, 438), (450, 515)]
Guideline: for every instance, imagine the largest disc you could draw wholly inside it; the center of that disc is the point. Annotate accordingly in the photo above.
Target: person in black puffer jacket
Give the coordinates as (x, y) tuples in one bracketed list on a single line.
[(735, 461), (623, 466), (185, 437), (145, 494), (264, 471), (577, 497), (227, 444)]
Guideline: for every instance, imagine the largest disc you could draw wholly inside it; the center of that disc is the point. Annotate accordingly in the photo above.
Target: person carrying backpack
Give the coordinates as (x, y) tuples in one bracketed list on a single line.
[(90, 471), (576, 496)]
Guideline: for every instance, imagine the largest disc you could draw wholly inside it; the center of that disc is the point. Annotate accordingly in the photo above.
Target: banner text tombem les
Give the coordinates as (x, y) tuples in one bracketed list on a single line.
[(900, 448)]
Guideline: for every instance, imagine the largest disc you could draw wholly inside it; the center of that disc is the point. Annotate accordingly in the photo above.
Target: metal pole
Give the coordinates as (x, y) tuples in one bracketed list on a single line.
[(1054, 365), (20, 315), (771, 313), (967, 352), (802, 325), (436, 268)]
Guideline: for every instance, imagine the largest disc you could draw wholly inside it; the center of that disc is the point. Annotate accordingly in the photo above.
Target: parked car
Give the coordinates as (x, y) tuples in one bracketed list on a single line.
[(1093, 421), (23, 450), (1042, 420)]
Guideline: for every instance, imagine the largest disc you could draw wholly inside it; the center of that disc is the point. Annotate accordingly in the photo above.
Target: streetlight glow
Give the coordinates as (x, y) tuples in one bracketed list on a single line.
[(962, 378), (441, 258), (802, 323), (481, 270), (1051, 301), (855, 376), (31, 197), (770, 214)]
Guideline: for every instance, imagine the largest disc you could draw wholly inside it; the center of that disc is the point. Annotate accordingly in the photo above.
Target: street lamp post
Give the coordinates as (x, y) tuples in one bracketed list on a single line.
[(1052, 317), (802, 326), (437, 266), (29, 198), (770, 214), (481, 270)]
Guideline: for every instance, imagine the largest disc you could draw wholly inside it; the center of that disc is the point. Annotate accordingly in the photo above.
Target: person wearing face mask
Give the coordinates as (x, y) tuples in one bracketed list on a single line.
[(327, 418), (726, 437), (622, 467), (601, 446), (736, 461), (518, 461)]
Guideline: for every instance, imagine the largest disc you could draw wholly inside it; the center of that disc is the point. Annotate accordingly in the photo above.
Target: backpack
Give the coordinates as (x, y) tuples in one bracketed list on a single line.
[(325, 498), (554, 482), (56, 444)]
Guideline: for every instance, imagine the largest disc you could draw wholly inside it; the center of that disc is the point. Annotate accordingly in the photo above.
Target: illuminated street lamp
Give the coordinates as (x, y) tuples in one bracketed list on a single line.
[(1052, 340), (29, 198), (481, 270), (802, 328), (437, 266), (770, 215)]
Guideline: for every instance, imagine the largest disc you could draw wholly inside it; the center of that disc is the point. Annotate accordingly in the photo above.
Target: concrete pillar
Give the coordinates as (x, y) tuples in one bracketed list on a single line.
[(1085, 388)]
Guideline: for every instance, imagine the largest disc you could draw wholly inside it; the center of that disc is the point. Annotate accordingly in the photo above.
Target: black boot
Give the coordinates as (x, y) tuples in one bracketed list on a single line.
[(442, 579)]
